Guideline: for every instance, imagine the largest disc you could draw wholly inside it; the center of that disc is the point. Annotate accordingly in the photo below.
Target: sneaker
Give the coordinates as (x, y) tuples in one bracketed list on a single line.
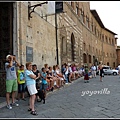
[(14, 104), (66, 83), (9, 106)]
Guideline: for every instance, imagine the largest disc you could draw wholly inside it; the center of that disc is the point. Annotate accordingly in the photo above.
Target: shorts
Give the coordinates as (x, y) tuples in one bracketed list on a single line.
[(11, 85), (43, 86), (21, 88), (32, 89), (48, 80)]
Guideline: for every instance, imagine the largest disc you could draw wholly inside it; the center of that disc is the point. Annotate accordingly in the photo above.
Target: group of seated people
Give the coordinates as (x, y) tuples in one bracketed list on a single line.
[(58, 77)]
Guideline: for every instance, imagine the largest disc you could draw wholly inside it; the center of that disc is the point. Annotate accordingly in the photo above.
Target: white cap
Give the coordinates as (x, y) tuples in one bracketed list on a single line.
[(8, 56)]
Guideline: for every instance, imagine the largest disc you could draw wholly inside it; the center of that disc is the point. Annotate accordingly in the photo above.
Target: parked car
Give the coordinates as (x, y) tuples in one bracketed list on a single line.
[(109, 71)]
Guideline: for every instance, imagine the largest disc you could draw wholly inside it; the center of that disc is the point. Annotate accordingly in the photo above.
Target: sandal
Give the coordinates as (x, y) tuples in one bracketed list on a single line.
[(24, 99), (39, 100), (58, 86), (33, 112), (52, 89), (29, 109)]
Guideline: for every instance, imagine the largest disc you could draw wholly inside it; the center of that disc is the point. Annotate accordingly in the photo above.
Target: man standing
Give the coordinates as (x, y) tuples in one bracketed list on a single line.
[(93, 69), (11, 79), (101, 72)]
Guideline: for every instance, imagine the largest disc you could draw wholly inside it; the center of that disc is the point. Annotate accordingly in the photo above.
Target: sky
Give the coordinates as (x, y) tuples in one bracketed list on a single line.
[(109, 13), (51, 7)]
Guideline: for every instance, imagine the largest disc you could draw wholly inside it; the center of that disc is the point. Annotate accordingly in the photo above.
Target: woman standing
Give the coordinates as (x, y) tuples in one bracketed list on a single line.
[(86, 77), (101, 72), (30, 78), (37, 73)]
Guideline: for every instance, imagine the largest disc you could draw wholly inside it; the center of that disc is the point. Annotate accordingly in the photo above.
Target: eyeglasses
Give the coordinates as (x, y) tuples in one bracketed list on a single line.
[(30, 65)]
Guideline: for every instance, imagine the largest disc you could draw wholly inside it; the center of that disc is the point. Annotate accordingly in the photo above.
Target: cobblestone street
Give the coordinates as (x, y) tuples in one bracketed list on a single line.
[(78, 100)]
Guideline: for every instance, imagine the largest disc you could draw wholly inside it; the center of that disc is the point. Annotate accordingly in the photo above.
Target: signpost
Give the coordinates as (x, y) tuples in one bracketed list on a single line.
[(58, 7)]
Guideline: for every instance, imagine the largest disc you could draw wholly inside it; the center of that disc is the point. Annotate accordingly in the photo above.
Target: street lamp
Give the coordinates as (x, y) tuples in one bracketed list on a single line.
[(56, 36), (34, 6)]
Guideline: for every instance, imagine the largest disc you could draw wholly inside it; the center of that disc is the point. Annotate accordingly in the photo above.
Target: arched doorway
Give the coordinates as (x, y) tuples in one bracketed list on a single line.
[(108, 63), (89, 58), (84, 58), (94, 59)]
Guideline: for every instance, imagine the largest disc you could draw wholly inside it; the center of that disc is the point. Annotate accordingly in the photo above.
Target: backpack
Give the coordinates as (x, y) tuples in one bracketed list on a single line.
[(22, 76)]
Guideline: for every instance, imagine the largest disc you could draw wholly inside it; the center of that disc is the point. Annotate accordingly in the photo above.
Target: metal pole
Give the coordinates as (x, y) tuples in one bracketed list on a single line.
[(56, 35)]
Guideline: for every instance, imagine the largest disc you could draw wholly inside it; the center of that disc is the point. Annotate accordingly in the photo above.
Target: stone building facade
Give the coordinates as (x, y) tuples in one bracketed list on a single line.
[(82, 37)]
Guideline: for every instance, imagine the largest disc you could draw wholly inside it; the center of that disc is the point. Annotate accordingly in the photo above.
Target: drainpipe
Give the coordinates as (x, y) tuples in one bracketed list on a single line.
[(56, 35), (20, 36)]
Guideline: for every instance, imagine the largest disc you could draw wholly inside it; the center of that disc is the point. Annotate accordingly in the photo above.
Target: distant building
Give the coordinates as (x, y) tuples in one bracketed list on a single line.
[(83, 37)]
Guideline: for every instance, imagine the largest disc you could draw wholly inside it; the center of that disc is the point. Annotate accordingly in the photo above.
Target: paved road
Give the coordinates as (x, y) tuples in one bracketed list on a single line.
[(78, 100)]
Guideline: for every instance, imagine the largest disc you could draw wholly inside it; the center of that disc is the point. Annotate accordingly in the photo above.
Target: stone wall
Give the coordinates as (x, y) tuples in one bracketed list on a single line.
[(37, 33)]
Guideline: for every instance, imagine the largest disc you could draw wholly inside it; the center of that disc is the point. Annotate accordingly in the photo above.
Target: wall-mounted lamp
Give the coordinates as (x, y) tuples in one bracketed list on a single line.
[(34, 6)]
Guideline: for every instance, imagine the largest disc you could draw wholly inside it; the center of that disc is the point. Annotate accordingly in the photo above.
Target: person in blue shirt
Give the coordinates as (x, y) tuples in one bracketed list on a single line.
[(63, 69), (44, 84), (30, 79)]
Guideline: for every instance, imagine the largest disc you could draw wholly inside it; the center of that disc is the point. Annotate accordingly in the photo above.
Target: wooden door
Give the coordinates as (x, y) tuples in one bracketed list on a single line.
[(6, 39)]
